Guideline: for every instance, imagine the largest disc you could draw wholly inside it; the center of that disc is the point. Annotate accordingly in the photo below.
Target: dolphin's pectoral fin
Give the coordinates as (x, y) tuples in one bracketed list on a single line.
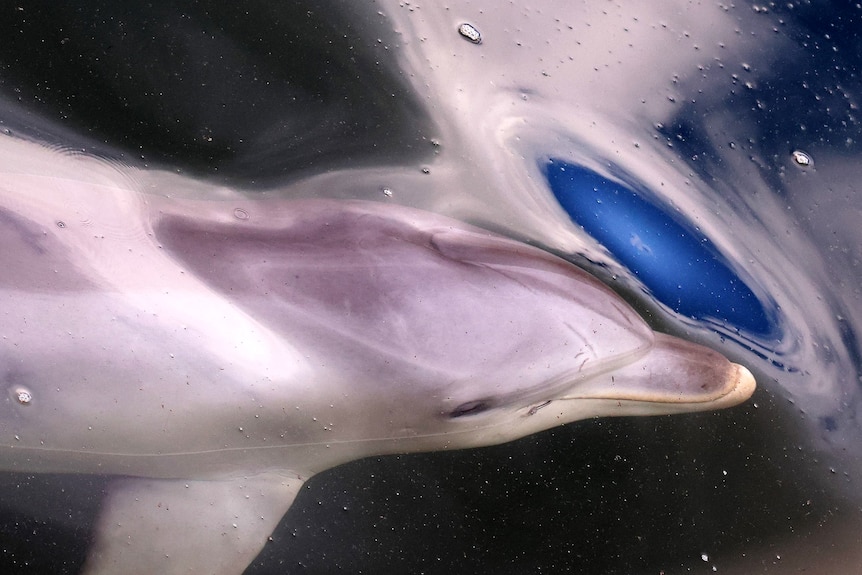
[(170, 526)]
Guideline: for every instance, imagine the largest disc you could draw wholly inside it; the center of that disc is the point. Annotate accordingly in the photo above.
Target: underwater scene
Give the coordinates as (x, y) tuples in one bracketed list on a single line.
[(468, 287)]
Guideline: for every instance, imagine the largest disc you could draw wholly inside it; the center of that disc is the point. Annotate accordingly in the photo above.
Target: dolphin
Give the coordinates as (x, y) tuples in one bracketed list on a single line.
[(213, 352)]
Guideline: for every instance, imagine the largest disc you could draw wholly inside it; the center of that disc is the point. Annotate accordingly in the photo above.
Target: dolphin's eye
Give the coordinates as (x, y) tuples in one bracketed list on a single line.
[(470, 408)]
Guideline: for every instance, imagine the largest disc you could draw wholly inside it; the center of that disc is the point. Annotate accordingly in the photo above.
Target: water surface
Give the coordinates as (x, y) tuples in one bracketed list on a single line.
[(656, 145)]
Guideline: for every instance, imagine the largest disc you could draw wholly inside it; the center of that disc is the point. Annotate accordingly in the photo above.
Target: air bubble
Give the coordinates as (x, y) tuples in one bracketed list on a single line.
[(469, 32), (802, 158), (23, 396)]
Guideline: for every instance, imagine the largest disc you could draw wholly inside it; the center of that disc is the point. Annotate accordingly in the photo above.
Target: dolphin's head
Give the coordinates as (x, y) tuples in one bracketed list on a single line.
[(610, 362), (428, 333)]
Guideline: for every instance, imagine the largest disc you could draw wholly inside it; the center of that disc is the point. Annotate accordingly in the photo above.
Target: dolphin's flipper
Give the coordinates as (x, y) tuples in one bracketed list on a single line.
[(169, 526)]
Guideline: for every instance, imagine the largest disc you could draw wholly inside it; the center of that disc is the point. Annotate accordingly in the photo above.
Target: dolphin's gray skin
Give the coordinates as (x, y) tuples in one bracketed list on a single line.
[(217, 353)]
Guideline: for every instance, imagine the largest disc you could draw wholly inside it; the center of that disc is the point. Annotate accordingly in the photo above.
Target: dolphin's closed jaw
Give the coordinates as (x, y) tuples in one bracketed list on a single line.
[(676, 376)]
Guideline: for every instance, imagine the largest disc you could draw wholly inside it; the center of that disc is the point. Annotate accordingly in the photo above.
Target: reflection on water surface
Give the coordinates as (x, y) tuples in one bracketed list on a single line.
[(685, 121)]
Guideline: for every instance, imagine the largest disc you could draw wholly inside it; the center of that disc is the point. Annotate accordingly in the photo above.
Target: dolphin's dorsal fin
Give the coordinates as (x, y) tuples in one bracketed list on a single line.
[(172, 526)]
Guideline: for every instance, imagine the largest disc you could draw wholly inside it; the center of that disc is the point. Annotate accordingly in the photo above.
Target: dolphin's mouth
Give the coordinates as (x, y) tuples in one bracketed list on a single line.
[(738, 387), (676, 376)]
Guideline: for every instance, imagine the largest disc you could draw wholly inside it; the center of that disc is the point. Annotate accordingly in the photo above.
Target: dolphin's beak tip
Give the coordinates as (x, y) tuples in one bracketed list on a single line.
[(743, 388)]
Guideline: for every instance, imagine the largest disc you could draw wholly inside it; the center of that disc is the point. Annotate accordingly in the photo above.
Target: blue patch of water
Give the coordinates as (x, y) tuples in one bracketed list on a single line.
[(679, 265)]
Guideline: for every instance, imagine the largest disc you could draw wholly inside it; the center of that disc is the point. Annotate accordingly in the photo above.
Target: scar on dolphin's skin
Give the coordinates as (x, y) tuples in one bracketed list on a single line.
[(536, 408)]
